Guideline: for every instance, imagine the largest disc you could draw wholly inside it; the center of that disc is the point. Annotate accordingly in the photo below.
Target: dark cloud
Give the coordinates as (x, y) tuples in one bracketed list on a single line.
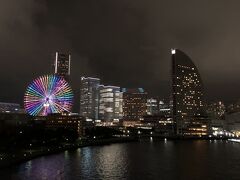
[(125, 43)]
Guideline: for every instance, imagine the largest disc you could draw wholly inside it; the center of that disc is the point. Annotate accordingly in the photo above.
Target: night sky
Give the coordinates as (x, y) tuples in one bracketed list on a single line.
[(123, 42)]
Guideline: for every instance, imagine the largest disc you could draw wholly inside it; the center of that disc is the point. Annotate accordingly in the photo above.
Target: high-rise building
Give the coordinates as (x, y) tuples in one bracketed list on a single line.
[(110, 104), (188, 99), (152, 106), (62, 65), (89, 97), (164, 108), (134, 104)]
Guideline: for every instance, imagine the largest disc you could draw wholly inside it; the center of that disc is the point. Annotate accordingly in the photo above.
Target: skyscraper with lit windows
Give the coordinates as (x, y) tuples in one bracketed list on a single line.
[(152, 106), (188, 100), (110, 104), (62, 65), (89, 97), (134, 104)]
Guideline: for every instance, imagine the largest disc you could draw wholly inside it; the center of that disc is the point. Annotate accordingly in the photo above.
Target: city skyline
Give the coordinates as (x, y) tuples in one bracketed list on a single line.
[(150, 94), (119, 89), (136, 51)]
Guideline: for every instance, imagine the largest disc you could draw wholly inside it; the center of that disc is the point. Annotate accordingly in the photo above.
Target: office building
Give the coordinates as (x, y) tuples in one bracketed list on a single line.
[(189, 113), (164, 108), (234, 107), (63, 121), (10, 108), (216, 114), (152, 106), (162, 125), (89, 97), (110, 104), (62, 65), (134, 104), (216, 110), (233, 122), (12, 123)]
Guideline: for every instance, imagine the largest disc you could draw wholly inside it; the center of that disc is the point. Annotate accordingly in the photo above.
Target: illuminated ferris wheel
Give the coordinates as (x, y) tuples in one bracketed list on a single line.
[(48, 94)]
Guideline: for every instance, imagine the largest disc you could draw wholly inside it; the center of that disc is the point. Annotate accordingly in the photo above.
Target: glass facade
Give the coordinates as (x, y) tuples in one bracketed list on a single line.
[(152, 106), (164, 108), (134, 104), (187, 93), (110, 103), (89, 97), (62, 64)]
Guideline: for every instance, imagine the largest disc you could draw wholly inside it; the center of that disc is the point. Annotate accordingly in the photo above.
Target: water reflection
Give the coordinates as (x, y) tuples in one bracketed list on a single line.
[(149, 159)]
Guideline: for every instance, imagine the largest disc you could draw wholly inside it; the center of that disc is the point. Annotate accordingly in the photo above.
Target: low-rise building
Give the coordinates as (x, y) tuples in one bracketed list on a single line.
[(10, 123), (162, 125), (66, 121), (10, 108)]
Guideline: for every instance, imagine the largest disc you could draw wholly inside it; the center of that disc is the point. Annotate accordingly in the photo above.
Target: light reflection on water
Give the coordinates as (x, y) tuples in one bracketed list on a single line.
[(149, 159)]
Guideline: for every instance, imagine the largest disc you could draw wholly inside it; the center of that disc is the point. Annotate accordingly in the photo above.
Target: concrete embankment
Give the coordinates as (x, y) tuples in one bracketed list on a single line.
[(11, 159)]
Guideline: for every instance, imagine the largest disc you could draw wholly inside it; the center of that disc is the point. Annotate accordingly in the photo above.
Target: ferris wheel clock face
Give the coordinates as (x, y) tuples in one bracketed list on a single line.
[(48, 94)]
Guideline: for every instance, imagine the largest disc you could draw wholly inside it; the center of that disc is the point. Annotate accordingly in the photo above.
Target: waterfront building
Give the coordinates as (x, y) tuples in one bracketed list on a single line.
[(216, 110), (233, 122), (10, 108), (63, 121), (161, 124), (152, 106), (216, 113), (89, 97), (164, 108), (234, 107), (189, 113), (62, 65), (134, 104), (232, 118), (110, 104), (12, 123)]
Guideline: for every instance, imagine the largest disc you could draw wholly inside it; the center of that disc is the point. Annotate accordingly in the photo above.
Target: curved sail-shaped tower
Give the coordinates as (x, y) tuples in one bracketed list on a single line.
[(188, 98)]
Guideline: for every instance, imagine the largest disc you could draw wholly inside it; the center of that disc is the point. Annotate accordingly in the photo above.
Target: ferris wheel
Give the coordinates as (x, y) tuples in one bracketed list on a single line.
[(48, 94)]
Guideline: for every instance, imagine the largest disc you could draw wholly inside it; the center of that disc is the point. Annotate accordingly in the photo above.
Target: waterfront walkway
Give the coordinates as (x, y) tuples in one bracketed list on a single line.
[(8, 159)]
